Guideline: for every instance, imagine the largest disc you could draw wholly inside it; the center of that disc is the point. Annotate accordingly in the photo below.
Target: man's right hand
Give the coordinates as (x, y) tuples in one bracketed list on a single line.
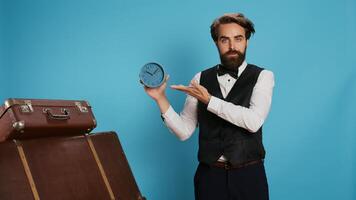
[(158, 92), (159, 95)]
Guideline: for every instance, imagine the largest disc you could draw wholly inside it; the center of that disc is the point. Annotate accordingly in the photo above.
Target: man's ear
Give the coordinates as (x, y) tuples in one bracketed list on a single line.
[(247, 43)]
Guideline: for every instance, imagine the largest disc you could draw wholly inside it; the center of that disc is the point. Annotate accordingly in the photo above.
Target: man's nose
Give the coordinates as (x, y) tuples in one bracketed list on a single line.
[(232, 46)]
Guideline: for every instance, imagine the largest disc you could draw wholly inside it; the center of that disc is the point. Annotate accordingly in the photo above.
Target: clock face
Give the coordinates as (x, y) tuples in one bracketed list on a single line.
[(152, 75)]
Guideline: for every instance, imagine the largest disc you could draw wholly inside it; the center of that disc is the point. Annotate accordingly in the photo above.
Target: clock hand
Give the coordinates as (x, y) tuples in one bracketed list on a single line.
[(149, 73), (155, 71)]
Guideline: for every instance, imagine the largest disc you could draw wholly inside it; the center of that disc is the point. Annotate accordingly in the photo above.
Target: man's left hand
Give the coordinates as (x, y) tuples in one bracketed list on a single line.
[(195, 90)]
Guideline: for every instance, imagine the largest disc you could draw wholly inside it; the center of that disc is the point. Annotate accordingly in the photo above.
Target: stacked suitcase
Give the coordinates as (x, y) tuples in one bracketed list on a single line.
[(47, 152)]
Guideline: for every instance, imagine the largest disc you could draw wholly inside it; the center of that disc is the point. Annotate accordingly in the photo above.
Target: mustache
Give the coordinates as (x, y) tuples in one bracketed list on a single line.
[(233, 52)]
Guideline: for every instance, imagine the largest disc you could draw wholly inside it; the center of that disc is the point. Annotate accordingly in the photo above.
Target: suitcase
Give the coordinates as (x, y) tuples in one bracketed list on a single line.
[(31, 118), (91, 166)]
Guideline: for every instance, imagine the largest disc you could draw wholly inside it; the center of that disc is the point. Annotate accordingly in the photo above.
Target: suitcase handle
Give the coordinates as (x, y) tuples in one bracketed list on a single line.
[(49, 113)]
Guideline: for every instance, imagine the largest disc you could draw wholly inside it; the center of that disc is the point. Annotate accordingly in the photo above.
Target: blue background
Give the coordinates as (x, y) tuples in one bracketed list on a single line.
[(93, 50)]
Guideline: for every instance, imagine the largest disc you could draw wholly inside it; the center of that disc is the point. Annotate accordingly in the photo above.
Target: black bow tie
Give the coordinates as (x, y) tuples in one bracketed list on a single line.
[(222, 70)]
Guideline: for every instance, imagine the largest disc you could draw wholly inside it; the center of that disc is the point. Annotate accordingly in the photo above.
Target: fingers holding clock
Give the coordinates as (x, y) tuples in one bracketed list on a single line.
[(166, 78), (154, 93), (164, 84), (158, 92)]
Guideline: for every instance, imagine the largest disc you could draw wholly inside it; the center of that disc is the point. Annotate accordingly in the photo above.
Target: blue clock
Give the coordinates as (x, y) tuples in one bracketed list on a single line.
[(152, 75)]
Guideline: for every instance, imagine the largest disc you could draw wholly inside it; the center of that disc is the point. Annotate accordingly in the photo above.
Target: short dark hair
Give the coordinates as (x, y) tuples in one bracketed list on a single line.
[(237, 18)]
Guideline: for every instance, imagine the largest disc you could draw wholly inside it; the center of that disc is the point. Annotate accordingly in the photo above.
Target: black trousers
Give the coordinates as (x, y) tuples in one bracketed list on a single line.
[(247, 183)]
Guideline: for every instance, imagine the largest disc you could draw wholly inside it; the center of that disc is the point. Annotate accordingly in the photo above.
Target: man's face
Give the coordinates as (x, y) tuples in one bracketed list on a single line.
[(232, 45)]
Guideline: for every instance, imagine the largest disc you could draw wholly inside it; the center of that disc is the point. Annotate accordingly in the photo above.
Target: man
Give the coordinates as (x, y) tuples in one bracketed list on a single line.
[(229, 102)]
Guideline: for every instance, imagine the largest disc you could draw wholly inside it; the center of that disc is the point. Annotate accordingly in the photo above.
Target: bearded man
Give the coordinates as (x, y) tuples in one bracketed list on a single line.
[(229, 102)]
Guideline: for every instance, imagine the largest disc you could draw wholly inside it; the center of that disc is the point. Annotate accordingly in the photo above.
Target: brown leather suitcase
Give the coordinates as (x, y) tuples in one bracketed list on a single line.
[(78, 167), (31, 118)]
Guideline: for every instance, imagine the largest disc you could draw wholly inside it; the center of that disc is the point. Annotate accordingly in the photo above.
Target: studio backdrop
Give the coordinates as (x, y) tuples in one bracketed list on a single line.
[(93, 50)]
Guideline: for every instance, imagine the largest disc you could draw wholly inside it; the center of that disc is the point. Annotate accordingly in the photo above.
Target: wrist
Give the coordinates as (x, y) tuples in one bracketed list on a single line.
[(163, 104), (208, 99), (161, 99)]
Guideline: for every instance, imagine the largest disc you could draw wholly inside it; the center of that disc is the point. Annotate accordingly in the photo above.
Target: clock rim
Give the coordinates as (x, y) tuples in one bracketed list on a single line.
[(149, 85)]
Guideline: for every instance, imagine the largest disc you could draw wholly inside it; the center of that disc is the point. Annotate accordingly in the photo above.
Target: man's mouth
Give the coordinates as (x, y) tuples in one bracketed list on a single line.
[(232, 54)]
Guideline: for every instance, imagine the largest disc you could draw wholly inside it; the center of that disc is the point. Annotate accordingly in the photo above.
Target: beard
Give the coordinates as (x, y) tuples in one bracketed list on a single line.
[(232, 59)]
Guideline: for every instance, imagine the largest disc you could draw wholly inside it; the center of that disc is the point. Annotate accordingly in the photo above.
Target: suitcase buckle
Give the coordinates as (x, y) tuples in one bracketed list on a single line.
[(81, 108), (27, 108)]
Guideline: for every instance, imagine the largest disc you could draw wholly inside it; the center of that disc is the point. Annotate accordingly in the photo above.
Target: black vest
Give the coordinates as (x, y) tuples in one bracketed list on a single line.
[(219, 137)]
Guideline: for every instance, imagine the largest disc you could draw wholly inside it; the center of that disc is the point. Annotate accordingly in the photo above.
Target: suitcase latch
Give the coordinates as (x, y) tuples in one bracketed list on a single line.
[(81, 108), (27, 107)]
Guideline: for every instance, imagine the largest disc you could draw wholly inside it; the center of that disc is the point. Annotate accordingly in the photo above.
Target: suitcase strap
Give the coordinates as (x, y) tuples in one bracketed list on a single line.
[(101, 169), (27, 169)]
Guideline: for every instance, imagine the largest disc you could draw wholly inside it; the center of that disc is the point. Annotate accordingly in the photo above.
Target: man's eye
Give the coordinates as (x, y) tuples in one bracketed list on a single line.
[(223, 40), (239, 39)]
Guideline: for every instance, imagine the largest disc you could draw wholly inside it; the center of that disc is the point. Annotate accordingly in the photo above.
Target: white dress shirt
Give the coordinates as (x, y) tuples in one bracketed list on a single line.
[(251, 119)]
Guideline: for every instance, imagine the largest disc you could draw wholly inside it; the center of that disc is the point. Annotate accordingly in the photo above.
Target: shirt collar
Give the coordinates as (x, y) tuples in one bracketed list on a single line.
[(242, 67)]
